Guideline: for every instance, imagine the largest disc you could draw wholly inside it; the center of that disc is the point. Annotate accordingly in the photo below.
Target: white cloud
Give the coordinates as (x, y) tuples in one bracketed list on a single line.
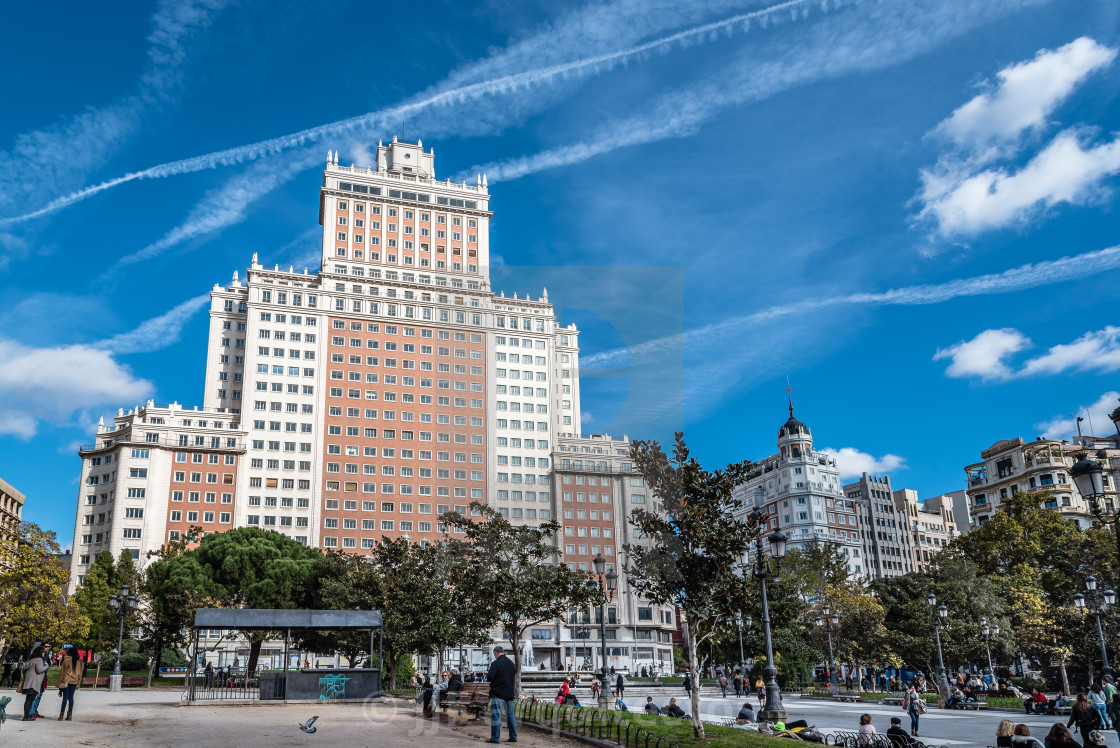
[(853, 463), (1068, 170), (963, 196), (1027, 93), (984, 355), (1097, 350), (1096, 423), (51, 384), (1015, 279), (158, 332)]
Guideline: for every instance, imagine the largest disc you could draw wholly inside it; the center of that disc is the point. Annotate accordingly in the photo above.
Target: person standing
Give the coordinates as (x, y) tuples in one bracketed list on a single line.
[(32, 685), (1097, 699), (501, 676), (737, 684), (723, 685), (619, 685), (69, 678), (688, 685), (47, 657)]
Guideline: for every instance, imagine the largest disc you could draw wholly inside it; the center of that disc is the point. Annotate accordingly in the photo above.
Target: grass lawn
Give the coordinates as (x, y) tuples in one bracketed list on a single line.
[(677, 731)]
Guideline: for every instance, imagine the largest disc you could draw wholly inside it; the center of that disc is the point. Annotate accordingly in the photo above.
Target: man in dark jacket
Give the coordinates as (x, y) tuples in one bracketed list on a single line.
[(652, 708), (673, 710), (501, 677), (897, 735)]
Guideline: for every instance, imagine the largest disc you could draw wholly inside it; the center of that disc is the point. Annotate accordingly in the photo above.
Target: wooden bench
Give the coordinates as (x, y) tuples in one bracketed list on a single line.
[(893, 701), (977, 705), (846, 696), (474, 698)]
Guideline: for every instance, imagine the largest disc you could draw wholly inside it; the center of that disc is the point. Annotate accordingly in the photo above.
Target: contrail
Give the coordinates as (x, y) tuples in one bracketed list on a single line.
[(799, 9), (1015, 279)]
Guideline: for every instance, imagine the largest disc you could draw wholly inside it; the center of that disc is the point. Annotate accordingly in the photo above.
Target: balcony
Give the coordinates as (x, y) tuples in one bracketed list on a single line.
[(224, 443)]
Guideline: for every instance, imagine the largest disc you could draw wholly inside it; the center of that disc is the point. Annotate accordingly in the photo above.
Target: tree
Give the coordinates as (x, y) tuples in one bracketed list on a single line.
[(513, 574), (174, 585), (33, 605), (92, 598), (693, 547), (253, 568)]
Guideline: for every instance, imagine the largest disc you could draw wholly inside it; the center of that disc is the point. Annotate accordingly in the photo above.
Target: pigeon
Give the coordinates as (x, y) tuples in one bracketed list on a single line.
[(307, 726)]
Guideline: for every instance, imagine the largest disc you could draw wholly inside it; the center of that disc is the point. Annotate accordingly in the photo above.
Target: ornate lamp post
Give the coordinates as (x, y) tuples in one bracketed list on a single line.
[(1097, 603), (607, 584), (988, 632), (939, 616), (829, 622), (122, 606), (1088, 476), (742, 658), (773, 710)]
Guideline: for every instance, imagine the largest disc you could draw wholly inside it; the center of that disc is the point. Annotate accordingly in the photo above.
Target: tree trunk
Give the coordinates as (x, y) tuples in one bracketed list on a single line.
[(392, 671), (694, 676), (515, 642), (254, 654), (153, 666), (1064, 674)]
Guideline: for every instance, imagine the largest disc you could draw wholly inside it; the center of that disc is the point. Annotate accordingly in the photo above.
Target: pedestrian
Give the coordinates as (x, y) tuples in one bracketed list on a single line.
[(1114, 712), (1096, 698), (501, 677), (33, 671), (426, 697), (47, 657), (1085, 717), (723, 685), (619, 685), (1059, 737), (914, 706), (1004, 731), (866, 729), (69, 678), (760, 690), (688, 685), (6, 679)]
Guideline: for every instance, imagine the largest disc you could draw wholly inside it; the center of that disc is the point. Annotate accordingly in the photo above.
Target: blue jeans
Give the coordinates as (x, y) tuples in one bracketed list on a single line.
[(913, 720), (35, 703), (496, 706), (68, 696), (1103, 712)]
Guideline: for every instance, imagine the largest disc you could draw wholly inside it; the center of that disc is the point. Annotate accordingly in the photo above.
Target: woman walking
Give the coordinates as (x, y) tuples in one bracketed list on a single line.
[(1098, 701), (33, 672), (914, 706), (1085, 717), (69, 678), (760, 690)]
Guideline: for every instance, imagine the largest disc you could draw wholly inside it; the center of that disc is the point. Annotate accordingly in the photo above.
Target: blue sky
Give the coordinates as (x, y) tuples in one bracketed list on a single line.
[(905, 206)]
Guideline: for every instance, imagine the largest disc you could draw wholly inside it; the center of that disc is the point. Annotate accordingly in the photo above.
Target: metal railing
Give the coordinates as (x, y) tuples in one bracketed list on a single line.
[(591, 723), (222, 684), (857, 740)]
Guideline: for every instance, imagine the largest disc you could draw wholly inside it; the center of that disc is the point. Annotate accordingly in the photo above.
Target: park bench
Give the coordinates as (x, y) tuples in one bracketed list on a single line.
[(893, 700), (473, 698), (848, 696), (103, 681), (977, 705)]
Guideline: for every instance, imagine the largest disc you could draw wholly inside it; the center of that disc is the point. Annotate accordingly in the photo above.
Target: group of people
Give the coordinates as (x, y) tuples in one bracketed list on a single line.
[(739, 682), (32, 675), (672, 709)]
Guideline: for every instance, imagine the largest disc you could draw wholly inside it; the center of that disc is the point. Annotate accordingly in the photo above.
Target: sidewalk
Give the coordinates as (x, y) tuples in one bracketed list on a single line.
[(151, 719)]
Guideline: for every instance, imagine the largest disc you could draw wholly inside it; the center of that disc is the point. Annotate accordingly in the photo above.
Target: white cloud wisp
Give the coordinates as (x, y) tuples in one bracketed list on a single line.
[(984, 356), (1096, 423), (378, 120), (1015, 279)]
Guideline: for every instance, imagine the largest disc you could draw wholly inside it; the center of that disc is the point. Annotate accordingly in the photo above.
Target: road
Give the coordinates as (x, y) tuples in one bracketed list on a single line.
[(939, 727)]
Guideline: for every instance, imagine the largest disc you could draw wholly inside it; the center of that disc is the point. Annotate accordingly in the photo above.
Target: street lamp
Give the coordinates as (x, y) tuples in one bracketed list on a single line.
[(742, 658), (1088, 476), (773, 710), (829, 622), (939, 616), (1097, 603), (121, 606), (606, 584), (988, 632)]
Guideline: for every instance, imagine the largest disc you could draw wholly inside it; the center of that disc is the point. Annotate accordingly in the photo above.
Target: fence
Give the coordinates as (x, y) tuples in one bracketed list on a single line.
[(591, 723), (222, 685)]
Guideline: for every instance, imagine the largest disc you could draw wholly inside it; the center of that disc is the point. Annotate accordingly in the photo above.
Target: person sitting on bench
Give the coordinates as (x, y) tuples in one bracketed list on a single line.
[(652, 708), (673, 710), (897, 735)]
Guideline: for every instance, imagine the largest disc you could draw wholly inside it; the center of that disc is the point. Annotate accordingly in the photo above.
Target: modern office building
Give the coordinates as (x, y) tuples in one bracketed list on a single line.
[(798, 490), (931, 523), (884, 528), (361, 400)]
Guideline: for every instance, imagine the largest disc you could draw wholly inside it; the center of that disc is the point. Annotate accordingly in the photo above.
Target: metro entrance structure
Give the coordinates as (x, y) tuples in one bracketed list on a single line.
[(322, 684)]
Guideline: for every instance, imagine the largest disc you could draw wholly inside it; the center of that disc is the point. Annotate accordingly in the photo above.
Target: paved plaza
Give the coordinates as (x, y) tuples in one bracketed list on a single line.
[(151, 719)]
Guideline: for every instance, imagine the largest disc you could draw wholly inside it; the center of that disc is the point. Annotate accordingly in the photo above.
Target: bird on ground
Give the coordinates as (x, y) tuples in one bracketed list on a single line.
[(307, 726)]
